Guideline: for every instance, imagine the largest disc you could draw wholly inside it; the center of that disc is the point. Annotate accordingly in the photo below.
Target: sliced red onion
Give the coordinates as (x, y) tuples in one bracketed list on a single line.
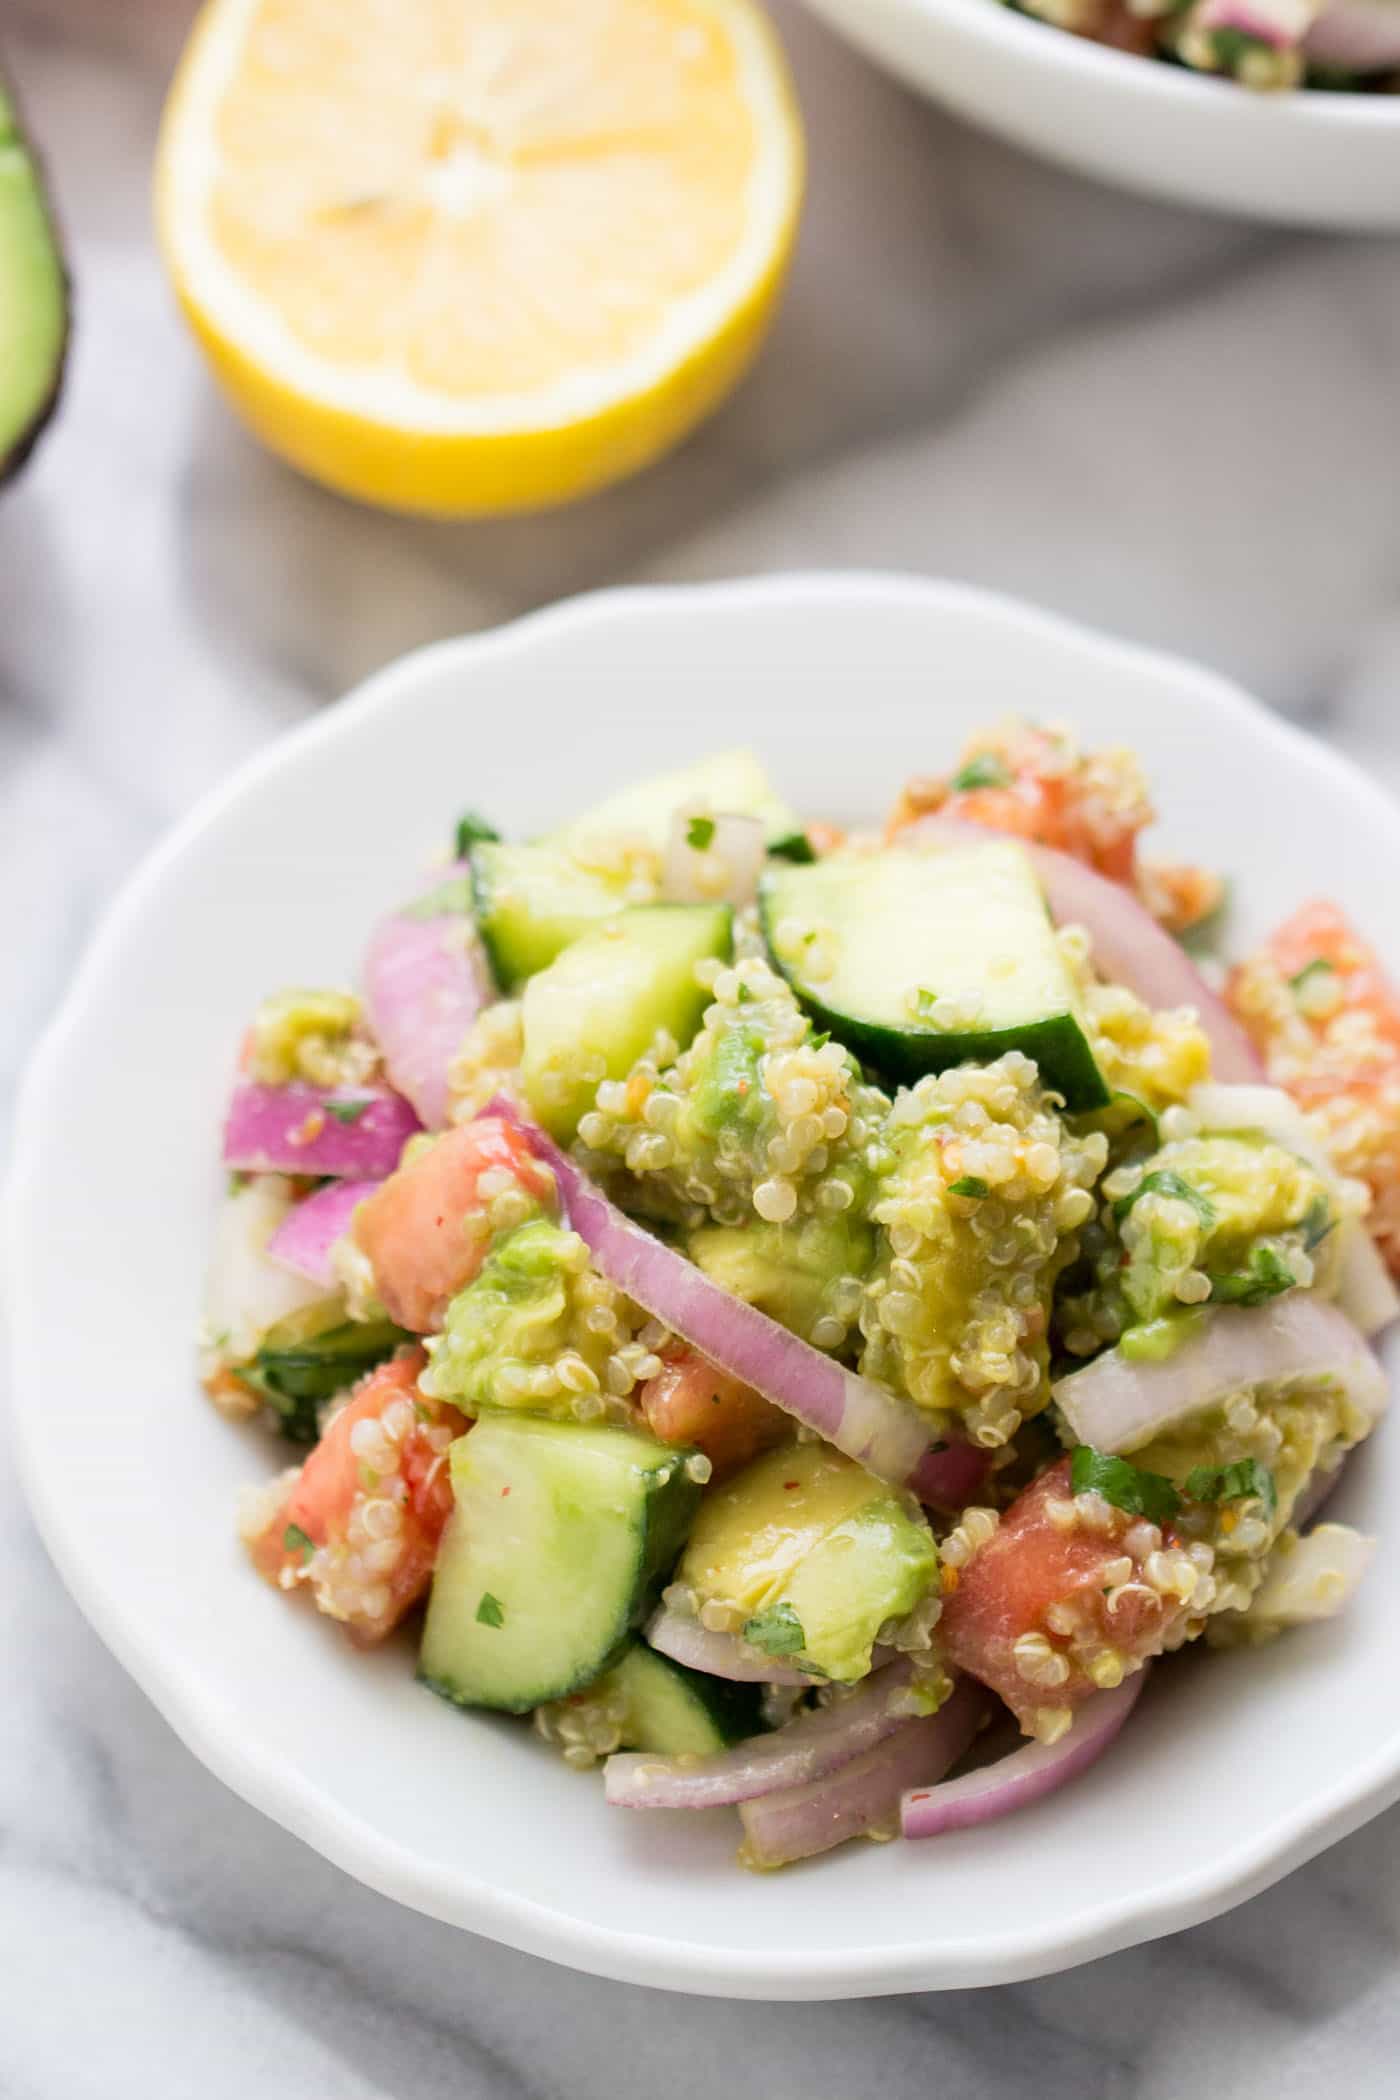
[(806, 1748), (1117, 1404), (685, 1640), (857, 1416), (1128, 944), (246, 1293), (1365, 1291), (356, 1132), (305, 1237), (864, 1795), (1361, 36), (718, 866), (1314, 1579), (1281, 24), (1027, 1775), (425, 980)]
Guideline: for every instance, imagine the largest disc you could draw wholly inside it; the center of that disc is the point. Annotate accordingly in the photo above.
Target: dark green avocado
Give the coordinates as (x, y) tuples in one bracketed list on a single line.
[(33, 297)]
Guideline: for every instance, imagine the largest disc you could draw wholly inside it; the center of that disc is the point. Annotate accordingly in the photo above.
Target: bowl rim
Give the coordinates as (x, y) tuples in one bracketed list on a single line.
[(1332, 113), (257, 1775)]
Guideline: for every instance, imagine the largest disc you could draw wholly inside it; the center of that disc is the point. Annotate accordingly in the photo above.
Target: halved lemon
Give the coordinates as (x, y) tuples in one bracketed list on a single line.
[(464, 256)]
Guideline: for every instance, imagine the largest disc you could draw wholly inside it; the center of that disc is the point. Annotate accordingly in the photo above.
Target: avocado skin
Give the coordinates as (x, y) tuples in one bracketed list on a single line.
[(16, 447)]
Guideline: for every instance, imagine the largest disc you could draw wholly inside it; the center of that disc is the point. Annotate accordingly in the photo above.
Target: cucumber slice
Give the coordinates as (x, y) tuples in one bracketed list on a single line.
[(730, 783), (558, 1539), (531, 901), (599, 1005), (678, 1712), (298, 1369), (918, 961)]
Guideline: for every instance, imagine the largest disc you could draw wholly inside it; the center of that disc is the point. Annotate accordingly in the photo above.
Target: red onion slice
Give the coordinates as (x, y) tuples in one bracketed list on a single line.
[(685, 1640), (350, 1132), (303, 1241), (1025, 1776), (1117, 1404), (806, 1748), (864, 1795), (1362, 36), (425, 980), (1129, 945), (1315, 1579), (857, 1416), (1281, 24)]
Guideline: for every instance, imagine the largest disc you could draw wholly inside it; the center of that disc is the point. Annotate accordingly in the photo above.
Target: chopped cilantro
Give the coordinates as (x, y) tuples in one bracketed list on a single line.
[(968, 1185), (819, 1042), (984, 771), (1318, 967), (1231, 1483), (348, 1111), (1126, 1486), (797, 847), (490, 1611), (924, 1002), (1318, 1221), (778, 1631), (700, 832), (295, 1540), (745, 993), (1164, 1183), (473, 830), (1265, 1276)]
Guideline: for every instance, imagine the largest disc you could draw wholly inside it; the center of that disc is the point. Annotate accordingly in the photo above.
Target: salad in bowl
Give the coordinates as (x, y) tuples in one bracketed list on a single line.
[(806, 1320)]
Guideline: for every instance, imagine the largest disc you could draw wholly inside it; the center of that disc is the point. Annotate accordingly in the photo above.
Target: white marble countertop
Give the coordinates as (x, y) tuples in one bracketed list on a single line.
[(1182, 429)]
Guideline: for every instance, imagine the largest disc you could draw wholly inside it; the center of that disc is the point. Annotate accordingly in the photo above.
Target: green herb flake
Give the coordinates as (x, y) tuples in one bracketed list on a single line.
[(1310, 972), (777, 1631), (473, 830), (1265, 1276), (984, 771), (796, 847), (819, 1042), (700, 832), (348, 1111), (490, 1611), (1318, 1222), (1245, 1478), (968, 1185), (1164, 1183), (924, 1002), (295, 1540), (745, 993), (1126, 1486)]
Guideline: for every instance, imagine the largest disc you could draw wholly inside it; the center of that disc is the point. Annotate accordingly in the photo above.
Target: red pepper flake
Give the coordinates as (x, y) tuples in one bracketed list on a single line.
[(310, 1130), (505, 1490), (792, 1483)]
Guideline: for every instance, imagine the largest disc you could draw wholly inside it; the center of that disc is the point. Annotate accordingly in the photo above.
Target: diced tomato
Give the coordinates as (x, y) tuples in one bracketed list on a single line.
[(361, 1521), (1321, 1008), (1036, 784), (690, 1402), (426, 1232), (1047, 1579)]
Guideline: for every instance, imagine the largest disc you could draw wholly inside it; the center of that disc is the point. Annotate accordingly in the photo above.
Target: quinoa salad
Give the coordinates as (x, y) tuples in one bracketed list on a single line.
[(807, 1319), (1345, 46)]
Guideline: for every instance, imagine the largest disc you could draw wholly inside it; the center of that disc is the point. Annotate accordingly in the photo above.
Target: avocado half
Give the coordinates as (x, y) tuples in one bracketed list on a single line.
[(33, 297)]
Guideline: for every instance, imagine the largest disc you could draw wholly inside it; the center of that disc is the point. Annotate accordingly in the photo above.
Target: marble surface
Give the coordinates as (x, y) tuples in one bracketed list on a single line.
[(1181, 428)]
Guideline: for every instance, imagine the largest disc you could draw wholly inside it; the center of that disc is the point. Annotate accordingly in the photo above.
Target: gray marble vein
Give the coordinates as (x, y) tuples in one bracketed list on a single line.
[(1181, 428)]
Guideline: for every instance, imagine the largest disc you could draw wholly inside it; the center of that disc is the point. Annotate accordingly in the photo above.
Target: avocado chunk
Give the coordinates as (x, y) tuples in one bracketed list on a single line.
[(811, 1557), (808, 1276), (33, 297)]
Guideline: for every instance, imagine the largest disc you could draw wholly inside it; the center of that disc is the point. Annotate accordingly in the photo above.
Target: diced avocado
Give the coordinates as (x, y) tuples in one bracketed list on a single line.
[(558, 1539), (917, 961), (33, 297), (601, 1004), (1245, 1212), (294, 1032), (794, 1273), (648, 1702), (812, 1556), (531, 901), (730, 783), (303, 1362), (521, 1317)]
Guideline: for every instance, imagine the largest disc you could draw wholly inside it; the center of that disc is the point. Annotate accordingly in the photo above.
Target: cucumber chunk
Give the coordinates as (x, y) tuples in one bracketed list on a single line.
[(674, 1711), (730, 783), (599, 1005), (918, 961), (556, 1544), (299, 1368), (531, 901)]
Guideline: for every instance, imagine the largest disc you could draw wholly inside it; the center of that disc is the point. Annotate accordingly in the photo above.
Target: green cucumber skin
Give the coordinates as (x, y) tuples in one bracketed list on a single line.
[(713, 1712)]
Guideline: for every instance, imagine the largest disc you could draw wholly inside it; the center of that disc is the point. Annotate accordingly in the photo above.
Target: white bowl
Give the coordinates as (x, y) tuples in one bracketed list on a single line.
[(1233, 1769), (1305, 159)]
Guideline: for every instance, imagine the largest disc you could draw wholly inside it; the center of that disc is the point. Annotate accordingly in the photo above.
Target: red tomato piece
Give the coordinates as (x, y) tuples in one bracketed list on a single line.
[(360, 1523), (427, 1231), (690, 1402)]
